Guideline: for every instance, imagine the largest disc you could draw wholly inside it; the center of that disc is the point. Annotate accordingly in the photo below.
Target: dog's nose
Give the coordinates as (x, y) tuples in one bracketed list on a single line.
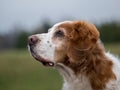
[(32, 40)]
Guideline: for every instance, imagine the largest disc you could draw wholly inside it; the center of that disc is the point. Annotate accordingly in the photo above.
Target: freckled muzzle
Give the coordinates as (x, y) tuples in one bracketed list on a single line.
[(32, 42)]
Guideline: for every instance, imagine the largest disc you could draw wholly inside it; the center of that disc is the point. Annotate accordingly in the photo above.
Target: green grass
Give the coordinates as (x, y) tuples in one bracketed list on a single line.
[(19, 71), (113, 48)]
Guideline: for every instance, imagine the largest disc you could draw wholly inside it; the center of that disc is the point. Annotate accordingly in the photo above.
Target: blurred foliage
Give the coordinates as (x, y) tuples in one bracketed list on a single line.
[(110, 32), (21, 41)]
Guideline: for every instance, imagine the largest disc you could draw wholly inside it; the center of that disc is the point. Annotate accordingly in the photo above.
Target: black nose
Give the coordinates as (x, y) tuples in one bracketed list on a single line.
[(32, 40)]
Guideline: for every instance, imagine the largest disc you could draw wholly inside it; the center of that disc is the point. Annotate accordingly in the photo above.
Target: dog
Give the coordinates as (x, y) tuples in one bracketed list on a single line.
[(74, 48)]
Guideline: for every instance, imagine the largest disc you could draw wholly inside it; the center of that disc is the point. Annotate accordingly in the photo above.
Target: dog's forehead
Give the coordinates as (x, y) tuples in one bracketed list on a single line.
[(65, 25), (61, 23)]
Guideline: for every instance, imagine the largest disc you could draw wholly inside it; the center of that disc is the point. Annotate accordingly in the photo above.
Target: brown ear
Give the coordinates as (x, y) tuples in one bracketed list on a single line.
[(84, 34), (83, 37)]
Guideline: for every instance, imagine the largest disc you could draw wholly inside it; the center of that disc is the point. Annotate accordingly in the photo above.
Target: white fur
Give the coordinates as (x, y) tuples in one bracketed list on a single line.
[(114, 84), (57, 24), (45, 48), (71, 81)]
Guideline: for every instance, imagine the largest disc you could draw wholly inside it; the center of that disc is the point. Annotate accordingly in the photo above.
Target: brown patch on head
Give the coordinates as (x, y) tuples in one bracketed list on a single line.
[(78, 36), (83, 37), (85, 34), (62, 41)]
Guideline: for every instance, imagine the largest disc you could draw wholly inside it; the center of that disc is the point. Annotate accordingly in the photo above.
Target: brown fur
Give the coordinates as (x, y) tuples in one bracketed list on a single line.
[(85, 54)]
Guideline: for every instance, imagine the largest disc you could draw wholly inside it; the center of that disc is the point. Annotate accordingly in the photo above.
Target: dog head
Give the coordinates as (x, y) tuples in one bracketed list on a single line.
[(62, 42)]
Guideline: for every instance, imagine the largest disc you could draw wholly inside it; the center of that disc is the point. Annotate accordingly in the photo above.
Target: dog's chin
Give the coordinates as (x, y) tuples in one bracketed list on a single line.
[(45, 62)]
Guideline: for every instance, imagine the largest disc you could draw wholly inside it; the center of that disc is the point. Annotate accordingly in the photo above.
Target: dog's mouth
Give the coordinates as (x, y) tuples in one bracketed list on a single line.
[(45, 62)]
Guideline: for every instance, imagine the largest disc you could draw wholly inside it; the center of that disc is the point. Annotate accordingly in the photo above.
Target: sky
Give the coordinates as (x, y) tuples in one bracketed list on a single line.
[(30, 13)]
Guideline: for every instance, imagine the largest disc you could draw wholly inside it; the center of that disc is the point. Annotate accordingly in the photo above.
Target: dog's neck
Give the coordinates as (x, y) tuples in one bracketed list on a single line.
[(66, 72), (71, 80)]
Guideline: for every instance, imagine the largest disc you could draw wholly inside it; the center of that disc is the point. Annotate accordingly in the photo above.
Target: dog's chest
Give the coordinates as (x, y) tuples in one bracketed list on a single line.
[(77, 84)]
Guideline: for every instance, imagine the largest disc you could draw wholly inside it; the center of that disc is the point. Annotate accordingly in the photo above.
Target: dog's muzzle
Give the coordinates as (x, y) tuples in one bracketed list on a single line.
[(32, 42)]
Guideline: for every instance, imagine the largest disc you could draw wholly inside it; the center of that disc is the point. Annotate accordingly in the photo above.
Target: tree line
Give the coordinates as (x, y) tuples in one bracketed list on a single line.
[(109, 33)]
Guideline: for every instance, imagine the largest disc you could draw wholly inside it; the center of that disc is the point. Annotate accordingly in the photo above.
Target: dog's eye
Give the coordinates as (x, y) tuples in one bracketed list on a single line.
[(59, 33)]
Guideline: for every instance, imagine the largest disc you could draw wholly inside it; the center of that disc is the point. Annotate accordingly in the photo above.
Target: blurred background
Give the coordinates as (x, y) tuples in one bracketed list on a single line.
[(21, 18)]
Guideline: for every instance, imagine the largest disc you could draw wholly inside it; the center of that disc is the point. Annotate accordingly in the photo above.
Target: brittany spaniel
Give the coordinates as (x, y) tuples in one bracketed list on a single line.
[(75, 50)]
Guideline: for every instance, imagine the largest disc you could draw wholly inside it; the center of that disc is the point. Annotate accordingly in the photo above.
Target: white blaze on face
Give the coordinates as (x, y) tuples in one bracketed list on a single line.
[(45, 47)]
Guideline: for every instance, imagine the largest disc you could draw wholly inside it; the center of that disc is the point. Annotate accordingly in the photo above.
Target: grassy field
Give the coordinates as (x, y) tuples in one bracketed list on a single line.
[(19, 71)]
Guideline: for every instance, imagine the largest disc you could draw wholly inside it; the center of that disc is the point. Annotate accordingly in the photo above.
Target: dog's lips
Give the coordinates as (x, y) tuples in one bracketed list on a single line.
[(45, 62)]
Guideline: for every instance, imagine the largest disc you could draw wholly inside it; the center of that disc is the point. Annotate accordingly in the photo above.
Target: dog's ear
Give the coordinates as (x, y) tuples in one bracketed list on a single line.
[(84, 34), (83, 37)]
